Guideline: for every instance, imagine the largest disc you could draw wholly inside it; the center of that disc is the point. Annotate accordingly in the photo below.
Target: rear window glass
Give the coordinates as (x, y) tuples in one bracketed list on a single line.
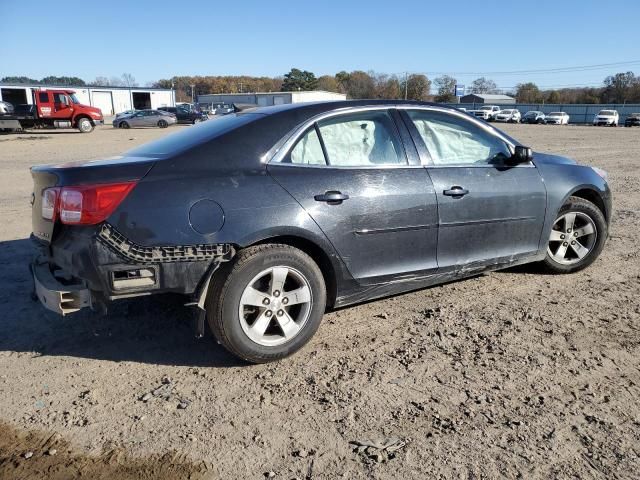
[(193, 136)]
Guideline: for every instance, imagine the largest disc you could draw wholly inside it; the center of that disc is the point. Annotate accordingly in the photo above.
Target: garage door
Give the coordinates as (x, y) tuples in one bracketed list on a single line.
[(279, 100), (103, 101)]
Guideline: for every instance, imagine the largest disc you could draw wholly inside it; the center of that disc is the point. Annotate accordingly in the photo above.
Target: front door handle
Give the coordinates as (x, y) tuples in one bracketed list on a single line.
[(456, 191), (332, 197)]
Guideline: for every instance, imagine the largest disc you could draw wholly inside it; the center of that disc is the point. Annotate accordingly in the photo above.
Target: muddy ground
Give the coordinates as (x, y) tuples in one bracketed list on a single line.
[(515, 374)]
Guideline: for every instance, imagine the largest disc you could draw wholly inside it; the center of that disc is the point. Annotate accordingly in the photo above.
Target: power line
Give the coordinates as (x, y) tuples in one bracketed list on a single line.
[(581, 68)]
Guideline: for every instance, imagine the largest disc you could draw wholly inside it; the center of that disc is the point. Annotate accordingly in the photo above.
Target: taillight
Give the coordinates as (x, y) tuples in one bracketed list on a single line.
[(84, 204), (50, 203)]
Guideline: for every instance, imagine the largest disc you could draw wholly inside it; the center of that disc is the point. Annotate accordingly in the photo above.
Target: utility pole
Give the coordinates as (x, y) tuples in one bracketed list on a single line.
[(406, 84), (193, 100), (240, 88)]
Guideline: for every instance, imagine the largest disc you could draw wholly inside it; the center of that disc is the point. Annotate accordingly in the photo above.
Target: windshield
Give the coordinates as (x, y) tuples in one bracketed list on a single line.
[(485, 108), (531, 114), (556, 114), (74, 99), (607, 112), (506, 112)]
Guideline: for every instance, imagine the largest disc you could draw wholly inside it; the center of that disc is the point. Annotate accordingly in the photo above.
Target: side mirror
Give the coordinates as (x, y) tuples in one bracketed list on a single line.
[(522, 155)]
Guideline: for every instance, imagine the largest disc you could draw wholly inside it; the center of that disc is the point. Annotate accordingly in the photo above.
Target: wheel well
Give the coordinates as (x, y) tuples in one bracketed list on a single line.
[(317, 254), (593, 197), (80, 117)]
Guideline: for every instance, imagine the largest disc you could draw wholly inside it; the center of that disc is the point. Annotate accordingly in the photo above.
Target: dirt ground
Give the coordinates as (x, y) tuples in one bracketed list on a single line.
[(516, 374)]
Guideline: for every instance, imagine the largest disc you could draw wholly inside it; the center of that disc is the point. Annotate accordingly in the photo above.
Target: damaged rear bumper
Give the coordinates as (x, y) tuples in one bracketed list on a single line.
[(61, 298)]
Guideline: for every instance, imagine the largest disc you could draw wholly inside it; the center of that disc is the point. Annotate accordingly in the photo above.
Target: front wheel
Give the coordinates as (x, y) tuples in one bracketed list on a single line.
[(577, 236), (267, 304), (85, 125), (124, 125)]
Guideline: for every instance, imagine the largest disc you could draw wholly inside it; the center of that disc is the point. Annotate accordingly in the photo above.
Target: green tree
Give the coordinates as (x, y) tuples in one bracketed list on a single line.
[(19, 80), (483, 85), (67, 81), (528, 93), (299, 80), (342, 78), (553, 97), (618, 87), (446, 86)]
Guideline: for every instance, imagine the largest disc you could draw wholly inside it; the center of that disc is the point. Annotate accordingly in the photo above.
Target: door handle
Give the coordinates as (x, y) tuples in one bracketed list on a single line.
[(456, 191), (332, 197)]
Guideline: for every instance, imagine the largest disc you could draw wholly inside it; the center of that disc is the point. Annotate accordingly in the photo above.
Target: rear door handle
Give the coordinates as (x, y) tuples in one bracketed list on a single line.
[(332, 197), (456, 191)]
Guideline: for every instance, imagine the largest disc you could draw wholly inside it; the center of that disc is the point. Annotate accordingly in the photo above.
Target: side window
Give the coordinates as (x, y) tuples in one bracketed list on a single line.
[(59, 98), (362, 139), (456, 141), (43, 97), (308, 150)]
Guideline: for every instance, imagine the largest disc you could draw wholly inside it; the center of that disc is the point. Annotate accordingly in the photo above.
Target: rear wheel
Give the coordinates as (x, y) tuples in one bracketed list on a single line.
[(577, 236), (267, 304), (85, 125), (163, 123)]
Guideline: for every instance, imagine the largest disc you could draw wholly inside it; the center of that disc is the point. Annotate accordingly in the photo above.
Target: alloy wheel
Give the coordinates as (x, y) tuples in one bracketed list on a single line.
[(573, 236), (275, 306)]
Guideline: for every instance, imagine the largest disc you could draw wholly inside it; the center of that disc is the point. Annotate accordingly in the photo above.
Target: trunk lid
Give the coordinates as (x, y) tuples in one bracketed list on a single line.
[(111, 170)]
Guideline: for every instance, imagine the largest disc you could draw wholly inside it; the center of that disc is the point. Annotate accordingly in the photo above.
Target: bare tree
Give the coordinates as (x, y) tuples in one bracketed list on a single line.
[(129, 80), (483, 85)]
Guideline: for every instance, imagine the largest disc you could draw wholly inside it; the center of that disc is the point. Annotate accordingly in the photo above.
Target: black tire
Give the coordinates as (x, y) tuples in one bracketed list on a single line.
[(228, 285), (162, 124), (580, 205), (124, 125), (85, 125)]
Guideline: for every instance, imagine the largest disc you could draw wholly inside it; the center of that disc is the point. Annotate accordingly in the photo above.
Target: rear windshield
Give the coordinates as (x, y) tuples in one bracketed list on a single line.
[(556, 114), (531, 113), (193, 136), (607, 112)]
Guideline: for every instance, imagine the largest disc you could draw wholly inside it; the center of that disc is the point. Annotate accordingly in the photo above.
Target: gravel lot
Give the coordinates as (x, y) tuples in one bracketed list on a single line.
[(515, 374)]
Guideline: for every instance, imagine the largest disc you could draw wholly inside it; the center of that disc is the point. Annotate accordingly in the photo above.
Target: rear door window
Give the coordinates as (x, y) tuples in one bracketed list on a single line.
[(362, 139)]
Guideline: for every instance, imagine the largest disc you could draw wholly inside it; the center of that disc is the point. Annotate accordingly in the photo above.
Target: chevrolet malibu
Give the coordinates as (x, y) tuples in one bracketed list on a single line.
[(265, 219)]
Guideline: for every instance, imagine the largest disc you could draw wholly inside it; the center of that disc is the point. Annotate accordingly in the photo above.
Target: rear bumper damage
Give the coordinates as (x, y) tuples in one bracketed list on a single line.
[(54, 295), (89, 268)]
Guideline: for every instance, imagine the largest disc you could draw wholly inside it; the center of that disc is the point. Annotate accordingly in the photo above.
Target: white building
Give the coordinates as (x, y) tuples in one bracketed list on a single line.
[(110, 100), (264, 99)]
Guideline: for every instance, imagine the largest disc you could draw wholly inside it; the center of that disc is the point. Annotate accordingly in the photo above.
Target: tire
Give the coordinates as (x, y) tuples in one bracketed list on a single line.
[(590, 245), (124, 125), (85, 125), (162, 124), (232, 320)]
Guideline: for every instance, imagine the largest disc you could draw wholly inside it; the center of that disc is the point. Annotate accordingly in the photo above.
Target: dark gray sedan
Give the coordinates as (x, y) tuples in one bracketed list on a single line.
[(145, 118), (263, 220)]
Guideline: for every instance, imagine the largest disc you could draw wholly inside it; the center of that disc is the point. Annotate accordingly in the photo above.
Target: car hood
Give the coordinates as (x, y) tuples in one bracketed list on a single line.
[(552, 159)]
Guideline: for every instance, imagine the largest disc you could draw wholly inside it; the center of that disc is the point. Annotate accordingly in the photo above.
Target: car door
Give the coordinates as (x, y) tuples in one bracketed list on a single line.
[(489, 210), (61, 106), (351, 174)]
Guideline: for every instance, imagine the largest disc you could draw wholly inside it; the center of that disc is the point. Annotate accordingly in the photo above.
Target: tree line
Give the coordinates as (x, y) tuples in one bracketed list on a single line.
[(618, 88)]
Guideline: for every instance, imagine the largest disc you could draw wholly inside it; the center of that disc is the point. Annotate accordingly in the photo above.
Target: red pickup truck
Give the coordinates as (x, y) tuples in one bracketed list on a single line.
[(53, 109)]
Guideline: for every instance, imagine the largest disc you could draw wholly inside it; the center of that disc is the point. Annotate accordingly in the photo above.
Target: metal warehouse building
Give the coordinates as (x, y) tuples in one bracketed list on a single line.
[(487, 98), (270, 98), (110, 100)]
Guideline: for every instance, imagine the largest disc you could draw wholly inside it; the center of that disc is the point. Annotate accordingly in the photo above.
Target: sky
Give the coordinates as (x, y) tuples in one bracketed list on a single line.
[(466, 39)]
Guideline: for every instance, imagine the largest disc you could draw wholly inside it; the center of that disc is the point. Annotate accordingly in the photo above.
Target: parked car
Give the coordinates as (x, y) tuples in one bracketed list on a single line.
[(486, 112), (632, 120), (185, 115), (557, 118), (533, 116), (607, 118), (126, 113), (229, 214), (510, 115), (223, 108), (5, 107), (145, 118)]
